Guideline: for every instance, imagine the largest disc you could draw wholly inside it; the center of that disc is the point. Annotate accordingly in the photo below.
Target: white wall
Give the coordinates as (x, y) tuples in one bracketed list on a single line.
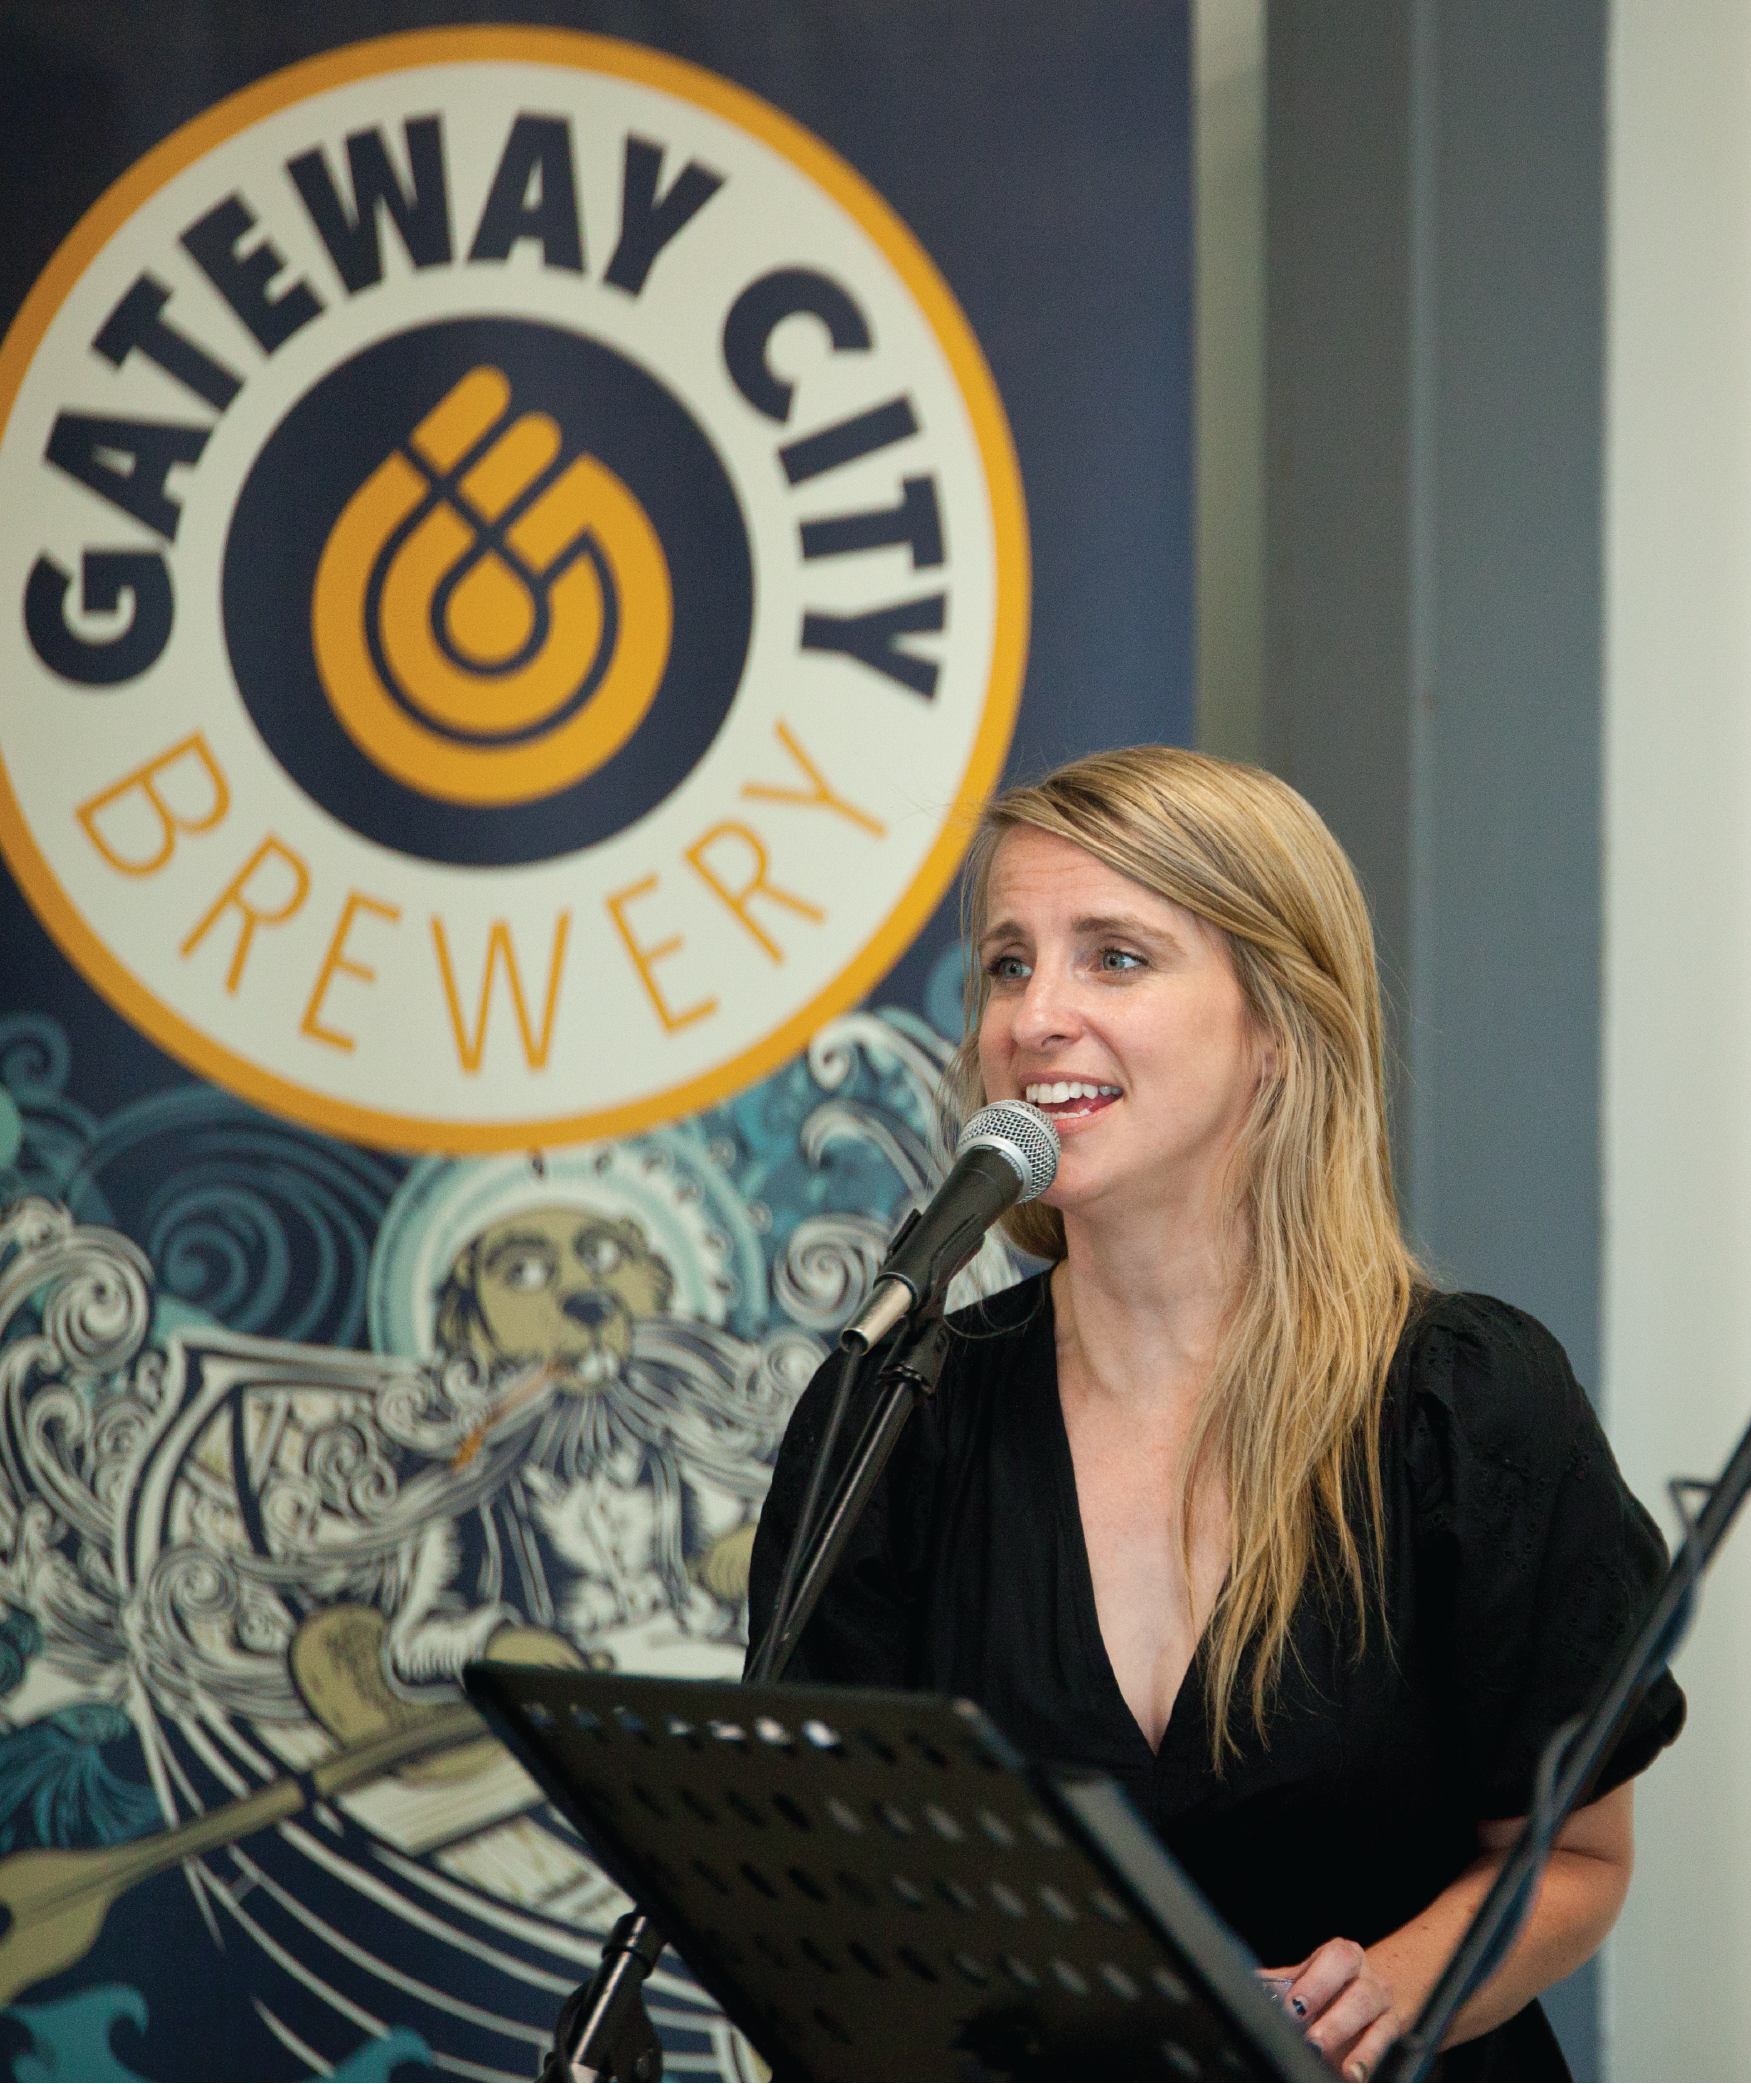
[(1677, 1103)]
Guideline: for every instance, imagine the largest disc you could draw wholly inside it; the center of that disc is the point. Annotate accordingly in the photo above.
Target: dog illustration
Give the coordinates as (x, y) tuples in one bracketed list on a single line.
[(553, 1282)]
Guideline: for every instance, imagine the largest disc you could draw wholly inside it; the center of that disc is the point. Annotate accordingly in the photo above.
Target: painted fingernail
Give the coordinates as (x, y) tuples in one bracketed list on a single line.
[(1298, 2007)]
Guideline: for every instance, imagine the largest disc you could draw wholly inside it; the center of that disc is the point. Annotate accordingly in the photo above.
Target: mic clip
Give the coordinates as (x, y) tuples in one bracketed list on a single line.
[(890, 1301)]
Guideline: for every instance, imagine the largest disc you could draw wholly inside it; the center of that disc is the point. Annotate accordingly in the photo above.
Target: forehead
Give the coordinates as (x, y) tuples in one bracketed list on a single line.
[(554, 1222), (1039, 879)]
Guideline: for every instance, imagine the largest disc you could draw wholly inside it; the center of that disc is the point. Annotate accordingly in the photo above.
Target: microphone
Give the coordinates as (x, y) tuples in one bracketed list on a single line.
[(1008, 1152)]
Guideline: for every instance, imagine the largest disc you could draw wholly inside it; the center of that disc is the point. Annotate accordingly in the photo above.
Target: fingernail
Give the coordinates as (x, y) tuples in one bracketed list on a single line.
[(1298, 2007)]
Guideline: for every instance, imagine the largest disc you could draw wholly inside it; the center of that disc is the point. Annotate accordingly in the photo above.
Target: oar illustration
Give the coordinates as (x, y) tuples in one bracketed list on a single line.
[(58, 1901)]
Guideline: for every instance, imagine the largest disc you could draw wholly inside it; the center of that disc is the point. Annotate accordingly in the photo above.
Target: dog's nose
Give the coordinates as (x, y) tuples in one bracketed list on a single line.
[(589, 1309)]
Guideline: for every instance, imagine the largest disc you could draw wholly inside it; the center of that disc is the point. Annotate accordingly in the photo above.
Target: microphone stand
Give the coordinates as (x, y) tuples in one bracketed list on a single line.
[(907, 1377), (1573, 1756), (604, 2030)]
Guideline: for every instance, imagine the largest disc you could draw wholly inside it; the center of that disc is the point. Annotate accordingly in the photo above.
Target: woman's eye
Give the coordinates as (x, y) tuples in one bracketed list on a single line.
[(1005, 969), (1119, 959)]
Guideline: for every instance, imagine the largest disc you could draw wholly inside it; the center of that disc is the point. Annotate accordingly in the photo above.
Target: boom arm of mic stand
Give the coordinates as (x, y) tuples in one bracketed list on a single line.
[(603, 2030), (1573, 1757)]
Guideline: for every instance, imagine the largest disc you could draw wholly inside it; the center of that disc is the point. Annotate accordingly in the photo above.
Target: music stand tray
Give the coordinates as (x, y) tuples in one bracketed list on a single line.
[(877, 1885)]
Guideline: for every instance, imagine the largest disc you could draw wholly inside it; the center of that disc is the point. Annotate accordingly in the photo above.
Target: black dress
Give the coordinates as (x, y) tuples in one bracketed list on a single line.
[(1515, 1559)]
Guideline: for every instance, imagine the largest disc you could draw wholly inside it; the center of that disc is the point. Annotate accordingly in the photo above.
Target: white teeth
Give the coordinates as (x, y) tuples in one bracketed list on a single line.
[(1055, 1093)]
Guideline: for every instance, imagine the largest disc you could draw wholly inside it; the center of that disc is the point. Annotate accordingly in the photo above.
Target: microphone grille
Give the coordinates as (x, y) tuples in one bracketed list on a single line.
[(1023, 1135)]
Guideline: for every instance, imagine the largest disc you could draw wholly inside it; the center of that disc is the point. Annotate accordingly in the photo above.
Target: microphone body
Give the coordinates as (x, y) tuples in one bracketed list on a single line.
[(1007, 1152)]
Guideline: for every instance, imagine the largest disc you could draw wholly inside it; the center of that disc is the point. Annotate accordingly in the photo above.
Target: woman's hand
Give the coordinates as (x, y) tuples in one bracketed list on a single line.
[(1344, 2004), (1354, 2003)]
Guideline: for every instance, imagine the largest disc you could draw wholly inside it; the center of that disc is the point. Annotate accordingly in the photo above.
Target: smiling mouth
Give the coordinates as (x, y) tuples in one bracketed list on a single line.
[(1071, 1099)]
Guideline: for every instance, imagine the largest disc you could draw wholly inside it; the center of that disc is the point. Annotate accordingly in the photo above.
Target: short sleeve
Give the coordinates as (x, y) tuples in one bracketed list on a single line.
[(1534, 1558)]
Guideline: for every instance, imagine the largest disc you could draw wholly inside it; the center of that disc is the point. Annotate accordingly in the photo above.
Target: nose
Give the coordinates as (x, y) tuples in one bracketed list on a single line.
[(589, 1309), (1047, 1011)]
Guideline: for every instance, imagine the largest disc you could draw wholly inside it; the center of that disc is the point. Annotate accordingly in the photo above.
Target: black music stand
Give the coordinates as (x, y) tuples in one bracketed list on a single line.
[(875, 1885)]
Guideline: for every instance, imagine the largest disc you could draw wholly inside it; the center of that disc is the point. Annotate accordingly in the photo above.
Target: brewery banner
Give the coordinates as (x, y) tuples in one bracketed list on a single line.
[(522, 544)]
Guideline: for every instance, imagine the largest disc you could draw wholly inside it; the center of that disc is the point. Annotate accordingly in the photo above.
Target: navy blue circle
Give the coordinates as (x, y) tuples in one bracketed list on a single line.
[(333, 439)]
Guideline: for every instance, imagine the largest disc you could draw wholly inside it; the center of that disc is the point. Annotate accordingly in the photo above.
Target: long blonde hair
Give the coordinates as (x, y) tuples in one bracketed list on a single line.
[(1291, 1417)]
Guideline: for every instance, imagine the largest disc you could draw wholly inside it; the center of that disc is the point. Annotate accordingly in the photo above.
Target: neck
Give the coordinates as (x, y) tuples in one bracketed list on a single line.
[(1143, 1299)]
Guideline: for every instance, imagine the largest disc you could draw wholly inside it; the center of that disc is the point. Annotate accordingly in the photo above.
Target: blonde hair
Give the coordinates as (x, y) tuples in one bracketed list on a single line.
[(1291, 1416)]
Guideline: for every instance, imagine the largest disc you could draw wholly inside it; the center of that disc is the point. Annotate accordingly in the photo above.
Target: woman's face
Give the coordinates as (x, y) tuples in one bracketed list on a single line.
[(1118, 1014)]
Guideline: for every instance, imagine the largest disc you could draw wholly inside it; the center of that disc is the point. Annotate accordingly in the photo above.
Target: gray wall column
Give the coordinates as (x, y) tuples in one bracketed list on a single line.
[(1435, 195)]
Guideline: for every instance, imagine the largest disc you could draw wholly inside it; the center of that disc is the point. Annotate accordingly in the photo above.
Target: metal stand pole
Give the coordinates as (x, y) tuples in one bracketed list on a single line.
[(1572, 1758), (903, 1384), (604, 2030)]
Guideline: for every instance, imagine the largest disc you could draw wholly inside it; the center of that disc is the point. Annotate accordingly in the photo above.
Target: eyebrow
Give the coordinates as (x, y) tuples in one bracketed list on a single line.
[(1091, 923), (518, 1241)]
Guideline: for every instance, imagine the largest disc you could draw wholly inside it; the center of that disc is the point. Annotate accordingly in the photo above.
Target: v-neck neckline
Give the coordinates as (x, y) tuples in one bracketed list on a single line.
[(1189, 1700)]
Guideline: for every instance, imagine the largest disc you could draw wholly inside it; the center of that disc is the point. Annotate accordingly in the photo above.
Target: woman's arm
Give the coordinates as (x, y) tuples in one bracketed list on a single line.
[(1356, 2002)]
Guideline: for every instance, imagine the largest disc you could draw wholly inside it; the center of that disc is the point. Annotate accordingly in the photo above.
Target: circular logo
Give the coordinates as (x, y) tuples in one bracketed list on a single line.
[(516, 571)]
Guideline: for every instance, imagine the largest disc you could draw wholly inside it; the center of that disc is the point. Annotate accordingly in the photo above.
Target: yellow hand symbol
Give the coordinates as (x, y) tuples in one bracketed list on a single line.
[(511, 657)]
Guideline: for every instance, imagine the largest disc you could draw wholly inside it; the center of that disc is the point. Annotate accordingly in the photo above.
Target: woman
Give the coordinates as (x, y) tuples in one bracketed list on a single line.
[(1230, 1503)]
